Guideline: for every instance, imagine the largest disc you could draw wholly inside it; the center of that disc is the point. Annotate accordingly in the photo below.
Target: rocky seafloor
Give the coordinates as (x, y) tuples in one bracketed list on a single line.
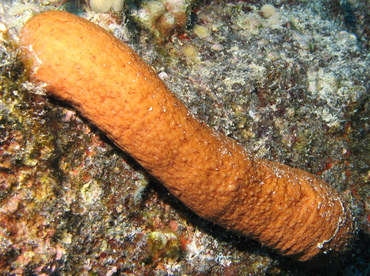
[(291, 86)]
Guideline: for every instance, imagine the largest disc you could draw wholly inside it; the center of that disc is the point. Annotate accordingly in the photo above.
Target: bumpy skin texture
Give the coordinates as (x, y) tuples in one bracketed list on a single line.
[(284, 208)]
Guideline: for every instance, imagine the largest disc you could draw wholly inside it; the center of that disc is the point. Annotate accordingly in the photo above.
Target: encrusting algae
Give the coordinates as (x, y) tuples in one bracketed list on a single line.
[(286, 209)]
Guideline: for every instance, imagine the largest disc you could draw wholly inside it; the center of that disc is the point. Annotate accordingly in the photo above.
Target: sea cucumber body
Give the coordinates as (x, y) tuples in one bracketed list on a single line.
[(287, 209)]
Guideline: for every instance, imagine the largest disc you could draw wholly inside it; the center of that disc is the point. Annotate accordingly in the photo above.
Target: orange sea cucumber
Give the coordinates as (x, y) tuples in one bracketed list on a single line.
[(284, 208)]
